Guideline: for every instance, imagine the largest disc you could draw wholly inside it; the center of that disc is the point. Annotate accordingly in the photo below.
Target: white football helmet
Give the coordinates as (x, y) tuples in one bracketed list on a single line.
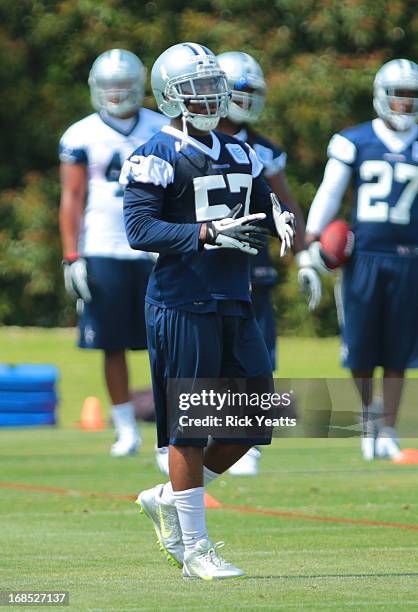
[(117, 80), (243, 72), (399, 76), (186, 80)]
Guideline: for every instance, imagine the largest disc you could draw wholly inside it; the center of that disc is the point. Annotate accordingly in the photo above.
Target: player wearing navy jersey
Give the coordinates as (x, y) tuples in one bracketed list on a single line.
[(246, 80), (100, 269), (380, 283), (194, 195)]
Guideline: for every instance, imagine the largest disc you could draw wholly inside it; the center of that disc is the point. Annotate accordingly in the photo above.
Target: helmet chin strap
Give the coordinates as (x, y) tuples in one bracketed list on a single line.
[(185, 133), (184, 125), (402, 123), (236, 114), (204, 124)]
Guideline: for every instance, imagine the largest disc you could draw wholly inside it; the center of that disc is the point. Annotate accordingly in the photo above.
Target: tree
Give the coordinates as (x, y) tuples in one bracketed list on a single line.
[(319, 58)]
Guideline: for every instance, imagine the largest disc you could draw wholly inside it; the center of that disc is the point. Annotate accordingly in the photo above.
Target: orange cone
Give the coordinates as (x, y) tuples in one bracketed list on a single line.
[(91, 415), (211, 502), (409, 456)]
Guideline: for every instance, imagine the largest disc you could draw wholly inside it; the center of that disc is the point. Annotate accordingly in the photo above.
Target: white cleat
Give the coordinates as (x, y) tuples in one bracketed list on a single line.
[(166, 524), (368, 441), (371, 428), (368, 447), (127, 444), (247, 465), (204, 562), (387, 444), (161, 459)]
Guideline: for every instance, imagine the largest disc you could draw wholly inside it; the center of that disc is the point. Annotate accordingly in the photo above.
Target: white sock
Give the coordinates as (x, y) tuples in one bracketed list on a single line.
[(190, 506), (123, 416), (208, 476), (167, 494)]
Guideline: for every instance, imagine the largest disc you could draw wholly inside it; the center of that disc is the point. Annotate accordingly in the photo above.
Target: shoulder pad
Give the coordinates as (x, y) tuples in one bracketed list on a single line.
[(343, 149), (149, 169)]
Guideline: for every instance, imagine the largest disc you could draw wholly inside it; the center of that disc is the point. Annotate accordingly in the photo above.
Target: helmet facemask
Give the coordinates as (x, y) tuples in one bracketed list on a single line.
[(118, 97), (246, 106), (395, 94), (202, 99), (246, 80), (117, 80)]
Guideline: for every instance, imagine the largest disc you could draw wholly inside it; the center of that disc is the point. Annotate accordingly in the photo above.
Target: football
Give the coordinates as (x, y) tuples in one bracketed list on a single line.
[(337, 243)]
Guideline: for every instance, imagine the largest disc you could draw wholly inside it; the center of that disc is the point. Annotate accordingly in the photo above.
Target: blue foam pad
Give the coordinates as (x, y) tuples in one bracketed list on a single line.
[(28, 377), (26, 419), (28, 401)]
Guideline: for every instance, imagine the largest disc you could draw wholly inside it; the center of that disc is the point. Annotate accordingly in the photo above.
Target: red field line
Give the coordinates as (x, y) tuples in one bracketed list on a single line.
[(62, 491), (321, 519), (211, 502)]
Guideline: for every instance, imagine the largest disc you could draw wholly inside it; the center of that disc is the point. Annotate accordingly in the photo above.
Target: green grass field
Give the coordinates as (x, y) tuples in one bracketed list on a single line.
[(340, 534)]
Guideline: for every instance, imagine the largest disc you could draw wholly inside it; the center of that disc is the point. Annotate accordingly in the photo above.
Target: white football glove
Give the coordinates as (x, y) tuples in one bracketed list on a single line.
[(285, 225), (76, 279), (233, 233), (309, 280), (317, 261)]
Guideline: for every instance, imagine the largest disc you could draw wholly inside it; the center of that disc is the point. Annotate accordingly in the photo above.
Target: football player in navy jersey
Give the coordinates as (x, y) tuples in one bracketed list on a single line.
[(379, 290), (196, 196), (246, 80), (107, 277)]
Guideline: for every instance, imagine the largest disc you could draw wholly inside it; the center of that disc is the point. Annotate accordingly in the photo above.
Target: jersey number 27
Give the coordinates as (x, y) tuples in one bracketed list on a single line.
[(372, 206)]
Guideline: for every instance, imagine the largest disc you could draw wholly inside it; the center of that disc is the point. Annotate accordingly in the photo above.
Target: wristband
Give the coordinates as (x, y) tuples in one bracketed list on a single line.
[(71, 257)]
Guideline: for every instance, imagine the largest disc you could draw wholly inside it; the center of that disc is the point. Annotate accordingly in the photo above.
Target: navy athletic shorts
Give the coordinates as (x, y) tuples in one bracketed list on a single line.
[(114, 319), (379, 314), (190, 345), (264, 313)]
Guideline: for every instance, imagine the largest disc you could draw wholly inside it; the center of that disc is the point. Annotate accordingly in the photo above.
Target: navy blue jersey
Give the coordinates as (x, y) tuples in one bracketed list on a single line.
[(263, 271), (270, 155), (273, 159), (385, 173), (173, 184)]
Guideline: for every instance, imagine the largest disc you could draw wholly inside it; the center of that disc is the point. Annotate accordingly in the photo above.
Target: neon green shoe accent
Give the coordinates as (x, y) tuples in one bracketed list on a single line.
[(165, 522)]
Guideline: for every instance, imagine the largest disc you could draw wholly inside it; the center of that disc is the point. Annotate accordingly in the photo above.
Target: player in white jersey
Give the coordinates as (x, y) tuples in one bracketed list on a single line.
[(379, 296), (107, 277)]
